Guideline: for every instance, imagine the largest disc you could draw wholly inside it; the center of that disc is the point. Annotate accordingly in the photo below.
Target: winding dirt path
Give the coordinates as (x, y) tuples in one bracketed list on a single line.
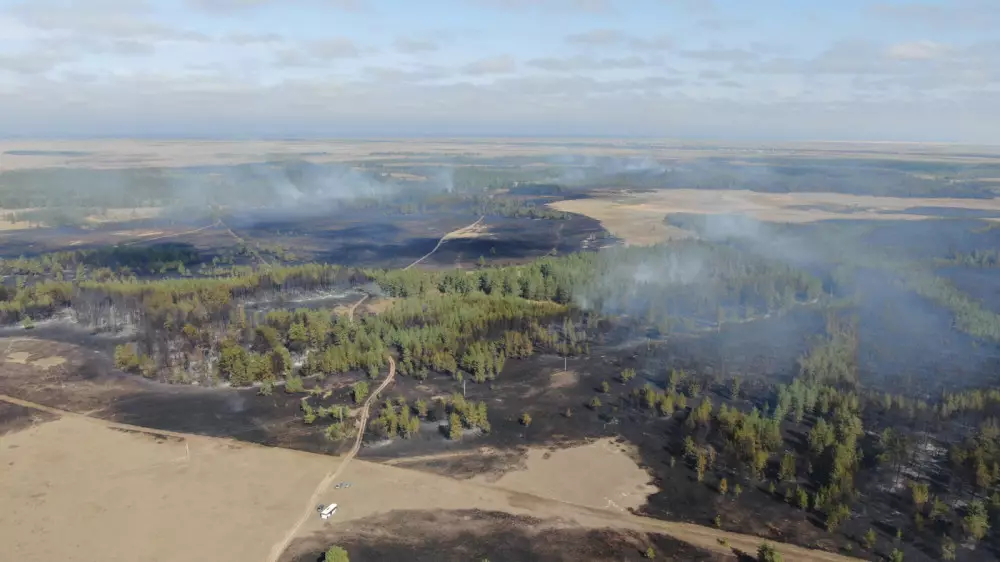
[(279, 548), (443, 239), (350, 311)]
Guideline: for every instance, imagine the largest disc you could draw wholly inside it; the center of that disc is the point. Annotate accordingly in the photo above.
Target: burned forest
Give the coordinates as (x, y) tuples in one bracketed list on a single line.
[(820, 370)]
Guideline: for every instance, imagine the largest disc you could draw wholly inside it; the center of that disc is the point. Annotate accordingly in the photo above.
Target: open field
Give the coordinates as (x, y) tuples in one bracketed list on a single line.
[(158, 478), (75, 490), (126, 153), (165, 496), (583, 406), (612, 479), (638, 217)]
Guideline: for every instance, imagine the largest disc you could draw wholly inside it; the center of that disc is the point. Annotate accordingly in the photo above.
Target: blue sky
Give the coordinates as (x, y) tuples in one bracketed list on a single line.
[(925, 70)]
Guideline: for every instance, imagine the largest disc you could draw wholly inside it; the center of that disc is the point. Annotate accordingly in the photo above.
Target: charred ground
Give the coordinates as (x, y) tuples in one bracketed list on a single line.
[(890, 323)]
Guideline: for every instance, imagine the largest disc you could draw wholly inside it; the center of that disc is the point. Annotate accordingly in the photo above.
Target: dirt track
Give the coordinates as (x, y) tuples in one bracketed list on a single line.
[(354, 307), (324, 484), (452, 234)]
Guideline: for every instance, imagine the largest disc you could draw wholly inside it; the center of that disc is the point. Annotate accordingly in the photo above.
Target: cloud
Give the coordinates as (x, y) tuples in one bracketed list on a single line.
[(317, 53), (130, 65), (581, 62), (117, 19), (918, 50), (598, 37), (412, 46), (31, 63), (399, 75), (217, 104), (254, 38), (615, 37), (952, 14), (720, 54), (565, 6), (243, 5), (334, 48), (492, 65)]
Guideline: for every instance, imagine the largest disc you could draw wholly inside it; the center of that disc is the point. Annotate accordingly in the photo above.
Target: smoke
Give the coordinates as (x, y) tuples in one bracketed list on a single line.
[(576, 170), (236, 402), (291, 188)]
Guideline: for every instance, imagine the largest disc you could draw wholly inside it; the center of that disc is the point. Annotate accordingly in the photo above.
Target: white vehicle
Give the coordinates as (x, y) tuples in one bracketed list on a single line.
[(328, 511)]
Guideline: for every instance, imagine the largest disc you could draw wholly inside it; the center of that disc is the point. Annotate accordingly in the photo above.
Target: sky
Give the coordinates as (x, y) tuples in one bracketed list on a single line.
[(926, 70)]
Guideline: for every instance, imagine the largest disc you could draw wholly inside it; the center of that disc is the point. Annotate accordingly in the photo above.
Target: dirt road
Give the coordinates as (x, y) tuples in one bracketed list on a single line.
[(350, 311), (444, 238), (280, 547)]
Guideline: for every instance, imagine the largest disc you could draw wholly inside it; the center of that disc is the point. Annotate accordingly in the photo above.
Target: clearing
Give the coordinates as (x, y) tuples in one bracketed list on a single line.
[(638, 218), (612, 480), (76, 490)]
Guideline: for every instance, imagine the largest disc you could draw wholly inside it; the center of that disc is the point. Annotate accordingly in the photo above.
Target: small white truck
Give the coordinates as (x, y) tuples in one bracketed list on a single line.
[(328, 511)]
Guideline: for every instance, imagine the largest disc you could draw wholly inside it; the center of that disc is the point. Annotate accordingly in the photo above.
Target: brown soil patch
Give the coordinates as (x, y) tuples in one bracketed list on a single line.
[(563, 379), (638, 218), (13, 225), (611, 480), (49, 362), (477, 230), (19, 357), (76, 490), (379, 306)]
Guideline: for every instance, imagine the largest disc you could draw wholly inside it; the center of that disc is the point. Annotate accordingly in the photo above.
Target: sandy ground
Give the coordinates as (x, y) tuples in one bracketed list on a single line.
[(133, 153), (77, 491), (379, 489), (563, 379), (611, 480), (81, 489), (638, 218), (109, 215), (14, 225), (379, 305)]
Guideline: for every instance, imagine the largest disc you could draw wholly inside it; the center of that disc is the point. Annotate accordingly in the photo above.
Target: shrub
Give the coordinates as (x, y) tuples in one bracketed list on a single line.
[(294, 384), (360, 391), (335, 554), (767, 553)]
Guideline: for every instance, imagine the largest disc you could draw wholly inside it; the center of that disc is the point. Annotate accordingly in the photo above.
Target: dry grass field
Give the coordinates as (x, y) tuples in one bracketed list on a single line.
[(637, 218), (82, 488), (76, 490)]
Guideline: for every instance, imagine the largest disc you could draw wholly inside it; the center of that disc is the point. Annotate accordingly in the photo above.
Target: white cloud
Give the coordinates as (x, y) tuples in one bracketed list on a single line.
[(580, 63), (918, 50), (410, 45), (492, 65), (120, 64)]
